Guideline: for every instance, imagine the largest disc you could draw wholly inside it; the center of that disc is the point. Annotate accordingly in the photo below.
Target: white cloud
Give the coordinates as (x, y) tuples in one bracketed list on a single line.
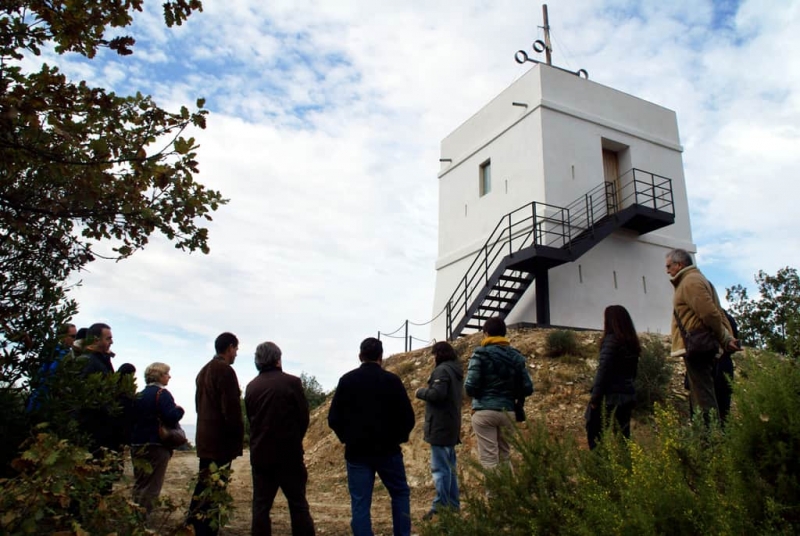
[(325, 130)]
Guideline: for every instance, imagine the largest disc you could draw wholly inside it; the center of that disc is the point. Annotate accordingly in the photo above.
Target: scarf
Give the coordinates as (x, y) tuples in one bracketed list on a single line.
[(501, 341)]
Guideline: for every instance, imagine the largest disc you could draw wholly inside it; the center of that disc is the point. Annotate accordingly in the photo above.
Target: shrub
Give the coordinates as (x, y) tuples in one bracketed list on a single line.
[(313, 390), (654, 374), (682, 484), (687, 479), (216, 496), (59, 488), (536, 497), (765, 436), (561, 342)]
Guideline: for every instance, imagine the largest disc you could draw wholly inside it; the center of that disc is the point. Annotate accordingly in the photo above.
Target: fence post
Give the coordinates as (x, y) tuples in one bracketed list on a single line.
[(406, 335)]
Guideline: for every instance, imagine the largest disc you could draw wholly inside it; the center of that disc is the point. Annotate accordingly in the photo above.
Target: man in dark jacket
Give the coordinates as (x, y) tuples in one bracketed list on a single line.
[(100, 422), (443, 424), (277, 410), (497, 377), (220, 428), (372, 415)]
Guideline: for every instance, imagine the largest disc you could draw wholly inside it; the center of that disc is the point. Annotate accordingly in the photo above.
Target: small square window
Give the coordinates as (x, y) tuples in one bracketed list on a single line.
[(485, 178)]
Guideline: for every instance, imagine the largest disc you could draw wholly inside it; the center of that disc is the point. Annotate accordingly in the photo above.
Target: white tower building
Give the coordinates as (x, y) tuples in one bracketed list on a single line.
[(559, 197)]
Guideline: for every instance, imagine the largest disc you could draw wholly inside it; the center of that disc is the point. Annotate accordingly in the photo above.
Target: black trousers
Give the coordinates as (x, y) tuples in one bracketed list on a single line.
[(723, 376), (202, 509), (291, 477), (594, 422)]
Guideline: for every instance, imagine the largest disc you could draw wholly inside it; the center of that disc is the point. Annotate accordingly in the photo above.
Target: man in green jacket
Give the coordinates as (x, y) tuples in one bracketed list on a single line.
[(497, 377)]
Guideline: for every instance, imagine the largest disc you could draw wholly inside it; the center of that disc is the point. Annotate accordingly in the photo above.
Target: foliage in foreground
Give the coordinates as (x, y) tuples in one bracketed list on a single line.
[(685, 480), (58, 488)]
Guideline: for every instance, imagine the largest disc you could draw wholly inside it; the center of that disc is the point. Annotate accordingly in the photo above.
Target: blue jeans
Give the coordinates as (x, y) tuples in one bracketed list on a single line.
[(361, 481), (443, 467)]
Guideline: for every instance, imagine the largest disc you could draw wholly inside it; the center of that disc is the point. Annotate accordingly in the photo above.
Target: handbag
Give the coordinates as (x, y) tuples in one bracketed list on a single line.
[(697, 342), (171, 437)]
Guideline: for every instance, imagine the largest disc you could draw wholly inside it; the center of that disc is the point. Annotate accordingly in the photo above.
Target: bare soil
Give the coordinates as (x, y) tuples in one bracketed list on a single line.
[(562, 392)]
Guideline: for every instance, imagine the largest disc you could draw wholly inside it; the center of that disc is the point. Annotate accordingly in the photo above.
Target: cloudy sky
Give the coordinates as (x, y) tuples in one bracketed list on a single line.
[(326, 119)]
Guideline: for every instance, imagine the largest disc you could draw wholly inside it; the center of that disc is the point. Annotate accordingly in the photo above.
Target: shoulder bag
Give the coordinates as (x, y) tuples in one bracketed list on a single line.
[(171, 437), (698, 342)]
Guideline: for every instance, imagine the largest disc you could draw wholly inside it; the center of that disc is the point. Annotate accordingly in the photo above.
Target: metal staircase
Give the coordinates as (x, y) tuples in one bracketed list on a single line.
[(529, 241)]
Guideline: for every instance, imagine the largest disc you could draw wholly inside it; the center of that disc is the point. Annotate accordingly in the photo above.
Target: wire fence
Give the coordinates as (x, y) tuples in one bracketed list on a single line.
[(409, 339)]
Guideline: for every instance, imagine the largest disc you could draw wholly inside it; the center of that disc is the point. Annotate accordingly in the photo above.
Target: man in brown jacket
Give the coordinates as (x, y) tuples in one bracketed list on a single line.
[(277, 410), (697, 306), (220, 427)]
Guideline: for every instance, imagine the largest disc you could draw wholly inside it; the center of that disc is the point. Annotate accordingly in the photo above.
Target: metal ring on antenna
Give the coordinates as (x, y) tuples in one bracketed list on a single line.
[(583, 73), (521, 56), (539, 46)]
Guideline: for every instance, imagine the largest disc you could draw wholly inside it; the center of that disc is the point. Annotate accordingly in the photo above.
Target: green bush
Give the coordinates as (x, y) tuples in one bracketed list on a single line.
[(654, 374), (765, 435), (536, 497), (687, 478), (561, 342), (313, 390), (59, 488), (216, 496)]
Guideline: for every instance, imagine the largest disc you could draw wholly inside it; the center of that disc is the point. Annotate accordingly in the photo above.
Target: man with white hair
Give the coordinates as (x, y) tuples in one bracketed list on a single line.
[(277, 410), (696, 308)]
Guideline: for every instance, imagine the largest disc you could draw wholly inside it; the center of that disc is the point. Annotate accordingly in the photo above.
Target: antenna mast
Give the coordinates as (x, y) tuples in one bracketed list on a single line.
[(540, 46), (548, 48)]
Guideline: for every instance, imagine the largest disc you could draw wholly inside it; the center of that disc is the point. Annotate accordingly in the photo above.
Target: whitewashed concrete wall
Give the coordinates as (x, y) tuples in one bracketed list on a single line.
[(551, 151)]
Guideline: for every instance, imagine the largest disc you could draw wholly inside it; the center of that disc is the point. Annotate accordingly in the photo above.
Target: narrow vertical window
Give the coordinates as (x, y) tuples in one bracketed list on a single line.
[(486, 178), (580, 274), (644, 284), (615, 279)]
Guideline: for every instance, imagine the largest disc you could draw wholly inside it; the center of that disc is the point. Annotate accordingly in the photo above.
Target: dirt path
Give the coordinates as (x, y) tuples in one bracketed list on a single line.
[(327, 497)]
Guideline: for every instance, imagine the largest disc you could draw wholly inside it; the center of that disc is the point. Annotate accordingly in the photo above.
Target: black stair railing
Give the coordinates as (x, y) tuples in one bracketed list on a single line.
[(543, 225)]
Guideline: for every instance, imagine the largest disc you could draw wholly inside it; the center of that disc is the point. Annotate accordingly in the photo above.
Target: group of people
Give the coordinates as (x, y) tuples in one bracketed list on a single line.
[(372, 415)]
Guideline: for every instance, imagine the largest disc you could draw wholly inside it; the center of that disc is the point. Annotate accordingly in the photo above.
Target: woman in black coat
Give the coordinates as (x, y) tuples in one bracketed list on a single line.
[(154, 405), (613, 392)]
